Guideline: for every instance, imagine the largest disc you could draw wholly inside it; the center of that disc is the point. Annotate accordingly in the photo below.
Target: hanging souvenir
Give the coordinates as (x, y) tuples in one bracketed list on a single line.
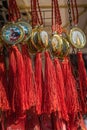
[(36, 49), (43, 38), (12, 33), (24, 25), (26, 28), (15, 77), (78, 39), (57, 50), (39, 37), (77, 36), (59, 45)]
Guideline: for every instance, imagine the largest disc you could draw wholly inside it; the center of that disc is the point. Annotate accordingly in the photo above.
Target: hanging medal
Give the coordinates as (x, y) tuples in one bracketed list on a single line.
[(12, 33), (77, 36), (27, 28), (42, 34), (78, 41), (39, 38), (59, 45)]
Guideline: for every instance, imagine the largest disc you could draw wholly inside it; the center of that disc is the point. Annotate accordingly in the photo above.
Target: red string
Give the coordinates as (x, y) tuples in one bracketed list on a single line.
[(74, 14), (13, 10), (36, 13), (41, 19), (56, 26)]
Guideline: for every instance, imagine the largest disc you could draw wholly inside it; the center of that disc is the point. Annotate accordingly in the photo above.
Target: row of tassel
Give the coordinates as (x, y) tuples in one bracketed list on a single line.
[(45, 85)]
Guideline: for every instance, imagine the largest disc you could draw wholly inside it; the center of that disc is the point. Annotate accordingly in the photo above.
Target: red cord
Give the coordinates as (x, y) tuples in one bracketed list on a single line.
[(14, 13), (56, 12), (41, 19), (36, 13), (74, 14)]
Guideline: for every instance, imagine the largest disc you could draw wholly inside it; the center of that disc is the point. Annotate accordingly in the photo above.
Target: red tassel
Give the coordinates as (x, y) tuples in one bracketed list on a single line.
[(4, 104), (60, 89), (70, 92), (30, 80), (11, 78), (17, 81), (39, 82), (50, 97), (82, 82)]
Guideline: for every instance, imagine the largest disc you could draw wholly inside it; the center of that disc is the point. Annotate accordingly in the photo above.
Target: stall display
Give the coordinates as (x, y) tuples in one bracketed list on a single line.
[(42, 85)]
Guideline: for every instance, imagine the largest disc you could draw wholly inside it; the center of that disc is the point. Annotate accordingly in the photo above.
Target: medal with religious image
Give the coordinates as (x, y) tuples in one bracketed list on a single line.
[(34, 39), (12, 34), (77, 38), (43, 38), (26, 28), (56, 44), (65, 48)]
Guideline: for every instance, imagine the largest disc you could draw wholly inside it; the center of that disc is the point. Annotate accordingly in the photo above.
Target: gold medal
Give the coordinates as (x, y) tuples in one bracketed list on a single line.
[(26, 28), (12, 34), (56, 44), (43, 38), (65, 48), (77, 38)]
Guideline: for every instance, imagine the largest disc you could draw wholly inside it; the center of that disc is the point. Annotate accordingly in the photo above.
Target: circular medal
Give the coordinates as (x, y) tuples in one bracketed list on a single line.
[(34, 38), (56, 44), (77, 38), (65, 48), (12, 34), (26, 28), (43, 38)]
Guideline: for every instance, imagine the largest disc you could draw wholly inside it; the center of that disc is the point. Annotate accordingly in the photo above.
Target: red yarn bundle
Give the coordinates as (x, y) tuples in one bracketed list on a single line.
[(4, 104), (50, 97), (16, 81), (70, 93), (39, 82), (82, 82), (60, 89), (30, 80)]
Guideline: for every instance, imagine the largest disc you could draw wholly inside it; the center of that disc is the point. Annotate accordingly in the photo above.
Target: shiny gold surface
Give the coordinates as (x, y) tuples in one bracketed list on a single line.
[(9, 25), (25, 26), (65, 48), (77, 38), (56, 44)]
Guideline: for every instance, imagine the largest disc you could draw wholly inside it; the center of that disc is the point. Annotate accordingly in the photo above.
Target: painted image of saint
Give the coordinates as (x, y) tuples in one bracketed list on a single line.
[(77, 38), (55, 44), (14, 35), (44, 37)]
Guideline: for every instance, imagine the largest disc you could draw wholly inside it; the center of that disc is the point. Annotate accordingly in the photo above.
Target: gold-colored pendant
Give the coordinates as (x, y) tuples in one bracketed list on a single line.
[(26, 28), (65, 48), (43, 38), (12, 34), (34, 39), (31, 48), (77, 38), (56, 44)]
